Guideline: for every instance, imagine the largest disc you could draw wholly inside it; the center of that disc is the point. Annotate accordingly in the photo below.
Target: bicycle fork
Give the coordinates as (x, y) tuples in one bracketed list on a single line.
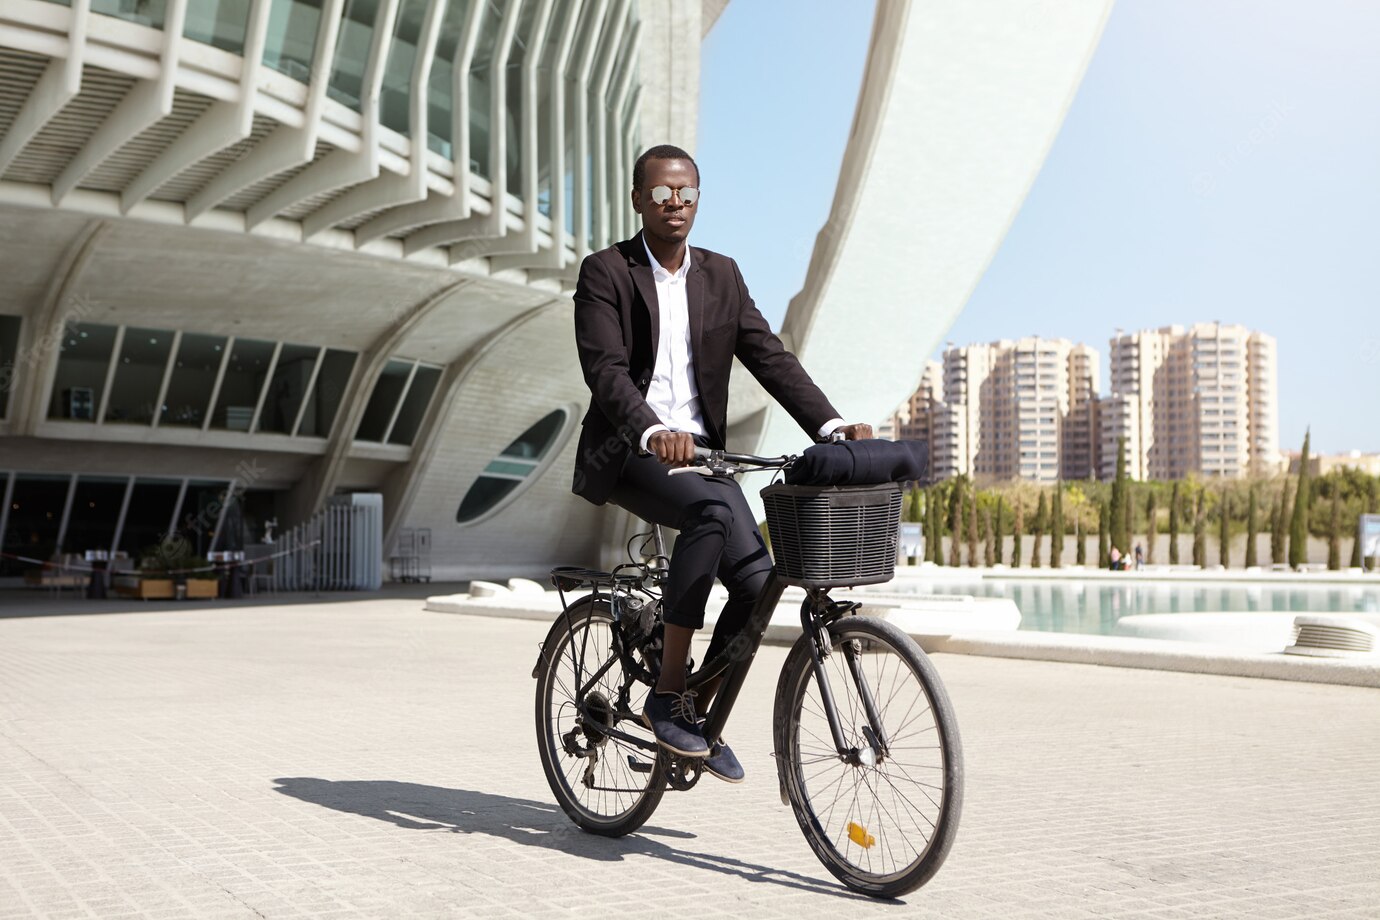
[(816, 627)]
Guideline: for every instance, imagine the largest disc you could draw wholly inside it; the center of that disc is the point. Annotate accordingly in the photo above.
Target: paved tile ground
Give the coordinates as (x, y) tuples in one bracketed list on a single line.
[(368, 759)]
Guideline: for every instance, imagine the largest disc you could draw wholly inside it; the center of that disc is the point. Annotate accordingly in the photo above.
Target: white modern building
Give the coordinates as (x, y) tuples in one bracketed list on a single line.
[(294, 249)]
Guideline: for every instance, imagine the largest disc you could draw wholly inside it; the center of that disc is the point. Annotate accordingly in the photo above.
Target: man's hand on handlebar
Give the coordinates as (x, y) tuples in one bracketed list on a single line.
[(857, 432), (673, 448)]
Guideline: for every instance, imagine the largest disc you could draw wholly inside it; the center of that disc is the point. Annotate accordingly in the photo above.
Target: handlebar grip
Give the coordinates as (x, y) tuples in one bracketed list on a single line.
[(701, 451), (705, 471)]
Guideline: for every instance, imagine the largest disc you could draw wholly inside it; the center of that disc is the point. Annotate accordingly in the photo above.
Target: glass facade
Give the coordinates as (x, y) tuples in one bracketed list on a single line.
[(149, 515), (95, 512), (387, 391), (221, 23), (291, 40), (441, 87), (399, 402), (352, 52), (414, 405), (481, 91), (82, 367), (243, 381), (523, 40), (193, 378), (288, 388), (149, 13), (138, 376), (9, 359), (35, 516), (394, 104), (507, 472), (331, 381)]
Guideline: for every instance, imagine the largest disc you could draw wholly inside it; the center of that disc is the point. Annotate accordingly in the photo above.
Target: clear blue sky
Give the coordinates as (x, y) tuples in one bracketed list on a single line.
[(1221, 162)]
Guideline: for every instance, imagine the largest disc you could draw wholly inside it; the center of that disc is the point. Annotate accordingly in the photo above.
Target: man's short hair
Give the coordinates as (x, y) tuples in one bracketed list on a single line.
[(660, 152)]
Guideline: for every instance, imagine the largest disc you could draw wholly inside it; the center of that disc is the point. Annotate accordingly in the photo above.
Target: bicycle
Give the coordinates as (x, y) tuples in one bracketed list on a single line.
[(865, 739)]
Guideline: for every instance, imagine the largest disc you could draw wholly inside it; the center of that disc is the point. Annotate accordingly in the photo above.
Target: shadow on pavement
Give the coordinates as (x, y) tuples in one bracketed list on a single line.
[(538, 824)]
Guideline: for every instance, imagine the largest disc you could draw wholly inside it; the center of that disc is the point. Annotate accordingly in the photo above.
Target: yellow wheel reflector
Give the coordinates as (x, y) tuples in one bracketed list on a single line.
[(859, 835)]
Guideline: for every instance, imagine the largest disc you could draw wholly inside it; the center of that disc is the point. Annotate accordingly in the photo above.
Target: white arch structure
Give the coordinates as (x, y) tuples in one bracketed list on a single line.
[(960, 104)]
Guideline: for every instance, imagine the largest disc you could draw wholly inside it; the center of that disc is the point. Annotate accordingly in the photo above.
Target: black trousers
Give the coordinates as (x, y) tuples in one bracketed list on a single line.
[(717, 537)]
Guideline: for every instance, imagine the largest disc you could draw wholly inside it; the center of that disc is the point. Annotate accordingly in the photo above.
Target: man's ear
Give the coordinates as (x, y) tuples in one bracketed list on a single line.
[(636, 201)]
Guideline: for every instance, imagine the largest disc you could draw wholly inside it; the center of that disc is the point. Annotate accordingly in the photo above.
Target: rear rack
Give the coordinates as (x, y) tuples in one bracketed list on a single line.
[(570, 577)]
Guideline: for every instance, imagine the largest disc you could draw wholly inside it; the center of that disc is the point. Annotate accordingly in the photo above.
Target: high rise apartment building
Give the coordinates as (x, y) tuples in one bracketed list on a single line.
[(1022, 409), (1201, 400)]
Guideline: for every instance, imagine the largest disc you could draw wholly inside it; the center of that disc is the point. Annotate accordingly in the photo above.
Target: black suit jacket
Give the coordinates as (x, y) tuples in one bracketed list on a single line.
[(616, 331)]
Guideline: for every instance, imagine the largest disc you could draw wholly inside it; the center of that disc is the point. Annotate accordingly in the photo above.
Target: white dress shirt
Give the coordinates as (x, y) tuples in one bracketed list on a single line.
[(672, 394)]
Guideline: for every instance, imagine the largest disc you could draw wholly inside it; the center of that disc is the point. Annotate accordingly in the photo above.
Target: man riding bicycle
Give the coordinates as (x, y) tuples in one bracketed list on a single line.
[(657, 325)]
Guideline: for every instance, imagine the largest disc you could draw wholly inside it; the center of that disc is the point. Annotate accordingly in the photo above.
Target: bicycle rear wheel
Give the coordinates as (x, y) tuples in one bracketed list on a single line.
[(605, 784), (882, 823)]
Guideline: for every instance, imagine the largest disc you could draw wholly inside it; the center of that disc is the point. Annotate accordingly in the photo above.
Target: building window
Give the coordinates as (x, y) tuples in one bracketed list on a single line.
[(291, 40), (37, 503), (502, 479), (288, 388), (331, 380), (144, 12), (193, 377), (394, 105), (95, 512), (9, 359), (151, 507), (81, 372), (221, 23), (378, 414), (441, 81), (245, 375), (139, 376), (352, 52), (414, 405)]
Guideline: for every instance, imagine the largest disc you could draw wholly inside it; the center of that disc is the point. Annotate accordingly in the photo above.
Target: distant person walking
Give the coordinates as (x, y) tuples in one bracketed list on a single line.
[(1116, 560), (1140, 557)]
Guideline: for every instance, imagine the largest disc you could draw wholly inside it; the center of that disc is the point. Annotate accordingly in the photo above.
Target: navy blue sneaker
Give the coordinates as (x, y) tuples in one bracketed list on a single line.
[(671, 717), (721, 762)]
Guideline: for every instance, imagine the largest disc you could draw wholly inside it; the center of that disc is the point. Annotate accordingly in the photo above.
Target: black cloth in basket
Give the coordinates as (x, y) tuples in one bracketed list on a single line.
[(833, 536), (859, 463)]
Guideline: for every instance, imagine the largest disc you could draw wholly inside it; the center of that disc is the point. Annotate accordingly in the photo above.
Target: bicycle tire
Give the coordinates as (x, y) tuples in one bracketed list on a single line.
[(584, 613), (797, 680)]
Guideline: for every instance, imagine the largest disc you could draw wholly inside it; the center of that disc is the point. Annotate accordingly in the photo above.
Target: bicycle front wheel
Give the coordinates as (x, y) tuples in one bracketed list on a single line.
[(883, 815), (605, 784)]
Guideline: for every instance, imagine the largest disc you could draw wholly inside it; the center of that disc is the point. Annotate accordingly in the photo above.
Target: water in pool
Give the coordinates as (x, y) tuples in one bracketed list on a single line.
[(1093, 607)]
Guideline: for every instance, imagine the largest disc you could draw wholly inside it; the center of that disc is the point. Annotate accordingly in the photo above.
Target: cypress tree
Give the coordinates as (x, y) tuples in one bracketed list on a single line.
[(1174, 525), (1056, 528), (1127, 506), (955, 521), (1356, 560), (1119, 536), (1200, 533), (1278, 543), (937, 514), (1223, 534), (1080, 542), (990, 556), (1017, 525), (1104, 552), (1251, 561), (1001, 525), (1372, 507), (1298, 525), (1040, 513), (1152, 526), (1334, 530), (973, 528)]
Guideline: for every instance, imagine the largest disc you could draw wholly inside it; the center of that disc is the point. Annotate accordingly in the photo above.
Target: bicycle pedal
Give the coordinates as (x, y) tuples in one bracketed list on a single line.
[(638, 766)]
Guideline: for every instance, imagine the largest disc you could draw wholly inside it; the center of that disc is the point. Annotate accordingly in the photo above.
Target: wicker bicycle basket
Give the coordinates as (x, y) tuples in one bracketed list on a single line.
[(833, 536)]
